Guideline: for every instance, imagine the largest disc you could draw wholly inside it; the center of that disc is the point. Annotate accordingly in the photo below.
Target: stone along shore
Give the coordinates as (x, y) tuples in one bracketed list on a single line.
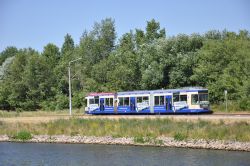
[(160, 141)]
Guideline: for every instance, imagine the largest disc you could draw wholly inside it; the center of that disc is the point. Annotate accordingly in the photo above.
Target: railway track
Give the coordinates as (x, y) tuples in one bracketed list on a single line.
[(213, 114), (171, 115), (232, 114)]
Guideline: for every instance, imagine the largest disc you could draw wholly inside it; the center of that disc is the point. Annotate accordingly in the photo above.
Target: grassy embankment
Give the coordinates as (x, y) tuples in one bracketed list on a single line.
[(232, 107), (140, 130), (6, 114)]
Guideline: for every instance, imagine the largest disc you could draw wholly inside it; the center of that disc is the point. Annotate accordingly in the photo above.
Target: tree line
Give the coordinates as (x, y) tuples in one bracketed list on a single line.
[(140, 59)]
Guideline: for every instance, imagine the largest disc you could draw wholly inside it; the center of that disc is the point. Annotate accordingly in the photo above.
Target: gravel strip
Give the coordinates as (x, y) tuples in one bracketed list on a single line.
[(160, 141)]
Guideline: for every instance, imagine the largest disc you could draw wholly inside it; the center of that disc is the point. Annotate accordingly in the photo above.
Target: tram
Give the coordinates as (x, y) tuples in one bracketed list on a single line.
[(190, 100)]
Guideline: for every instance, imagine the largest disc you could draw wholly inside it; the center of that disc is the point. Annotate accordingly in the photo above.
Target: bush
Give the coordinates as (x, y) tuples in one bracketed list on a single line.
[(48, 105), (179, 137), (148, 139), (77, 99), (62, 102), (22, 135), (139, 139), (244, 104), (232, 106)]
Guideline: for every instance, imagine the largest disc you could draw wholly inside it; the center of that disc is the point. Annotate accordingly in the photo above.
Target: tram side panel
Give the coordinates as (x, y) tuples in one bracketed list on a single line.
[(163, 103)]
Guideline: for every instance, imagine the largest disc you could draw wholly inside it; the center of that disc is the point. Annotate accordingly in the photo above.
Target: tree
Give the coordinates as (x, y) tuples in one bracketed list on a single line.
[(124, 72), (127, 42), (51, 54), (99, 43), (67, 47), (151, 63), (153, 31), (213, 34), (39, 80), (13, 88), (224, 65), (139, 38), (7, 52)]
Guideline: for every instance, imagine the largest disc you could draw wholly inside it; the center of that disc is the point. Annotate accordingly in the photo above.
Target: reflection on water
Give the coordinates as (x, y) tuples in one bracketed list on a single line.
[(107, 155)]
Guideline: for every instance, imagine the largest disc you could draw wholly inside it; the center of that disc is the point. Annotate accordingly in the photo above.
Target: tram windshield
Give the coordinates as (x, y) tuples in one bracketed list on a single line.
[(199, 98), (203, 97)]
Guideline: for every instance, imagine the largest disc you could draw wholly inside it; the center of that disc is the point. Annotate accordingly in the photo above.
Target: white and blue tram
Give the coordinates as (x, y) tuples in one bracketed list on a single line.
[(170, 101)]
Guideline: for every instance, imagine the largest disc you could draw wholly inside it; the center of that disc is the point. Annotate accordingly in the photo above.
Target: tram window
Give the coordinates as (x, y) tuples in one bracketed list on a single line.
[(139, 99), (203, 97), (157, 100), (94, 101), (109, 102), (176, 97), (183, 97), (161, 100), (142, 99), (91, 101), (194, 99), (145, 99), (123, 101), (126, 101)]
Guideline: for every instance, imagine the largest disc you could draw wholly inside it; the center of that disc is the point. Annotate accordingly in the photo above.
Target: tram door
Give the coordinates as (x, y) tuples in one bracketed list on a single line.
[(132, 103), (115, 103), (101, 104), (168, 103)]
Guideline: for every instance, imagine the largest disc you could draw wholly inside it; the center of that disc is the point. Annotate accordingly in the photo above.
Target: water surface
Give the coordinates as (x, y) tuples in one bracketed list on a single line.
[(106, 155)]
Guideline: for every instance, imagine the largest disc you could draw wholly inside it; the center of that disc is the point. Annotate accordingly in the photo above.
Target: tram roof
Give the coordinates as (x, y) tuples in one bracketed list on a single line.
[(100, 94), (186, 89)]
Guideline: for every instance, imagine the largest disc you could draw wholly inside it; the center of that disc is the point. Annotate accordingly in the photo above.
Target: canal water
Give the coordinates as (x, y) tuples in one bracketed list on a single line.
[(107, 155)]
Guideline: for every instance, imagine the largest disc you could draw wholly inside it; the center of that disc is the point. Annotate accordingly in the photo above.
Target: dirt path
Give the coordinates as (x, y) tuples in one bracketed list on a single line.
[(214, 118), (37, 119)]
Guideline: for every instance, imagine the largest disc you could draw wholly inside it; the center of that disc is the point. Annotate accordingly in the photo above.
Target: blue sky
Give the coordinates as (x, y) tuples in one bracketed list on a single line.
[(34, 23)]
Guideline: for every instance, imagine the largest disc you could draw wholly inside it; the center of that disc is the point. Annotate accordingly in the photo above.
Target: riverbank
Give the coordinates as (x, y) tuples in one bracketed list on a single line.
[(151, 132), (118, 128), (159, 141)]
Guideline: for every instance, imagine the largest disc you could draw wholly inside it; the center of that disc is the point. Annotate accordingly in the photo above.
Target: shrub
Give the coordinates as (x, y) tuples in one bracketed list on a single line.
[(77, 100), (48, 105), (139, 139), (74, 133), (179, 136), (62, 102), (158, 142), (244, 104), (22, 135)]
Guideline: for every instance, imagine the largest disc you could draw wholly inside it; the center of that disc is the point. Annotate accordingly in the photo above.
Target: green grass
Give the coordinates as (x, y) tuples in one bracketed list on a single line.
[(147, 139), (179, 136), (22, 135), (139, 139), (141, 130), (232, 107)]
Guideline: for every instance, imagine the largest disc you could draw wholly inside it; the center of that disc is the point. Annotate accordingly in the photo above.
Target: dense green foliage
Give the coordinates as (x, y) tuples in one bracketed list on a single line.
[(22, 135), (141, 59), (8, 52)]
